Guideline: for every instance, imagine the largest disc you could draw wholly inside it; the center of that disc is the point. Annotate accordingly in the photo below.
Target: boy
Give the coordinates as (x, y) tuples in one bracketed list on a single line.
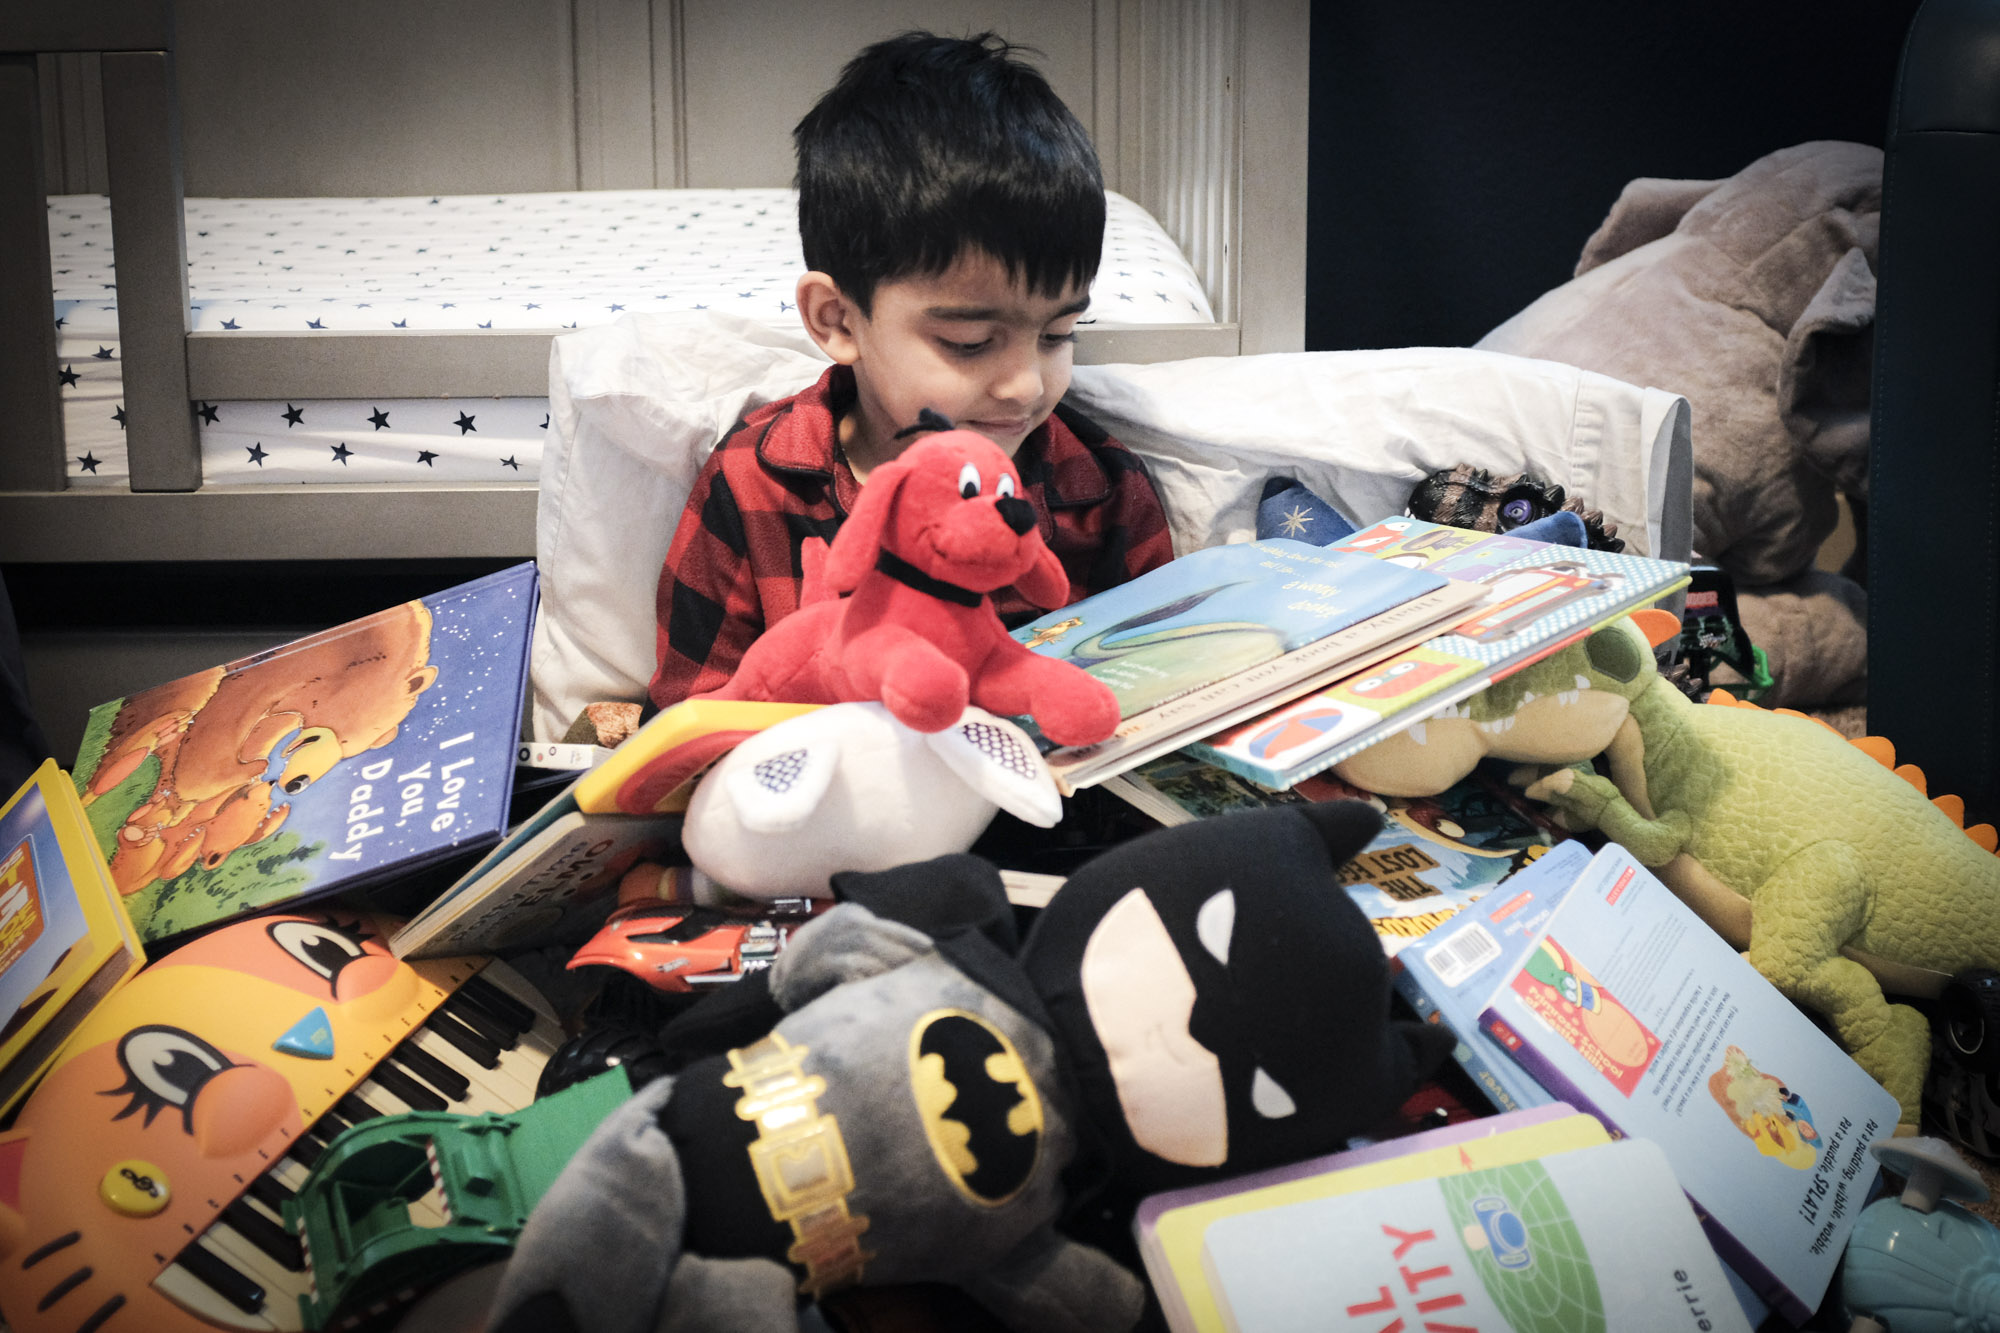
[(952, 214)]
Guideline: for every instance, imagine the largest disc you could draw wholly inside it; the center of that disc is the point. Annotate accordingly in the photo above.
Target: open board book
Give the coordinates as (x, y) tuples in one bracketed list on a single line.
[(1221, 633), (1618, 1000), (573, 850), (1534, 598), (360, 755), (65, 939)]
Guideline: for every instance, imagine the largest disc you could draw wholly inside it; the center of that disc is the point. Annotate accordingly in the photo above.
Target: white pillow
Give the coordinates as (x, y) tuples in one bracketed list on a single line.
[(636, 405)]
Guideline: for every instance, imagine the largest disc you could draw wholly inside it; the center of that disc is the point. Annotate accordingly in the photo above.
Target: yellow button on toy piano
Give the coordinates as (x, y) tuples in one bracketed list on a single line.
[(134, 1188)]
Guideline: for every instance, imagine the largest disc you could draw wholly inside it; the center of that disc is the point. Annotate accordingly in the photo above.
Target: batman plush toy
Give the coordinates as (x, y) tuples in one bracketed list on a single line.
[(1197, 1002)]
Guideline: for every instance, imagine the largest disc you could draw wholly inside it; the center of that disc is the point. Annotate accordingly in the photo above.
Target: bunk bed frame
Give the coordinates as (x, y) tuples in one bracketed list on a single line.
[(1197, 107)]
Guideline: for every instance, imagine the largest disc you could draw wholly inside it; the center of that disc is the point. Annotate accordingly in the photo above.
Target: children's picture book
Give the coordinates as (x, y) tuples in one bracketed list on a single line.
[(1435, 855), (348, 758), (1596, 1238), (1170, 1227), (547, 878), (1535, 598), (1449, 975), (65, 939), (1224, 632), (639, 790), (1617, 999)]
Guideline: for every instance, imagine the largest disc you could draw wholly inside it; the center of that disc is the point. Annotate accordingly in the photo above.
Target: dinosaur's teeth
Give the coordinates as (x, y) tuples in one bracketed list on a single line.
[(1582, 681), (1417, 736), (1497, 725), (1568, 696), (1527, 697)]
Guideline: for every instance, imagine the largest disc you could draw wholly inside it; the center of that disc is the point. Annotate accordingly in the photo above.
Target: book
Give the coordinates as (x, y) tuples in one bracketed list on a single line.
[(1448, 977), (1535, 598), (1170, 1227), (546, 860), (1434, 856), (65, 939), (352, 758), (1221, 633), (1593, 1238), (1617, 999)]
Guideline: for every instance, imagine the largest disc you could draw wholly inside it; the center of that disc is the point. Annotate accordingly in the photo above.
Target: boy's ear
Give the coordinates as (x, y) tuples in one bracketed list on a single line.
[(829, 316)]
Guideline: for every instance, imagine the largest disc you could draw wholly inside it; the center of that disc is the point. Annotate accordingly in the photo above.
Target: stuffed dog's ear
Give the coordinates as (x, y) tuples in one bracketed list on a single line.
[(1047, 583), (853, 549)]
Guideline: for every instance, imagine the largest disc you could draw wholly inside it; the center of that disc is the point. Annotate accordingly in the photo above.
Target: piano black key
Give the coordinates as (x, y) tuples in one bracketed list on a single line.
[(306, 1149), (428, 1069), (469, 1043), (356, 1110), (498, 1003), (465, 1011), (281, 1245), (409, 1089), (271, 1192), (331, 1124), (220, 1278)]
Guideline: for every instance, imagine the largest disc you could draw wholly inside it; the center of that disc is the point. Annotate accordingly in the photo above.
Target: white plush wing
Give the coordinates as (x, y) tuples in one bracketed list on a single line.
[(996, 759), (776, 779)]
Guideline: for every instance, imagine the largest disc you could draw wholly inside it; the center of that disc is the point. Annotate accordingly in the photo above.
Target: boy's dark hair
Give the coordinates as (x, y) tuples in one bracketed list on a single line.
[(927, 145)]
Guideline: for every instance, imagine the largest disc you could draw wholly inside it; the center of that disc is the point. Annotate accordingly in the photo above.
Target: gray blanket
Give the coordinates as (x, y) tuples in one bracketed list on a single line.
[(1753, 297)]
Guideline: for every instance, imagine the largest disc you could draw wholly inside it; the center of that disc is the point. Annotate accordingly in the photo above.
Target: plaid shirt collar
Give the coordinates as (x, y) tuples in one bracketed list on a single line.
[(1052, 458)]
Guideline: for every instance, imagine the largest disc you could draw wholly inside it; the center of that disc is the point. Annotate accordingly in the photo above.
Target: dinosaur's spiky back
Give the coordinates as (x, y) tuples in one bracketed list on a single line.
[(1883, 752)]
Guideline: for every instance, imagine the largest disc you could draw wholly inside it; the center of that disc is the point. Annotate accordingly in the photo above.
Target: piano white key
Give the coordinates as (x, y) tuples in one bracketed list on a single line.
[(205, 1302), (504, 1084)]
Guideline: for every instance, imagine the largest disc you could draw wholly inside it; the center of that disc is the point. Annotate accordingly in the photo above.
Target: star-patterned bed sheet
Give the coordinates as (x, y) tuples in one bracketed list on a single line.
[(522, 261)]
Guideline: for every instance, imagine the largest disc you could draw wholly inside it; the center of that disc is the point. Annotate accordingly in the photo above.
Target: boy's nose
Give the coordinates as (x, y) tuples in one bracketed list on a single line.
[(1021, 380)]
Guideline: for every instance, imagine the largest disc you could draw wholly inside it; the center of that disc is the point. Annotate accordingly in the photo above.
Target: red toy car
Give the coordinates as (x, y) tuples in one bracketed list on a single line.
[(682, 948)]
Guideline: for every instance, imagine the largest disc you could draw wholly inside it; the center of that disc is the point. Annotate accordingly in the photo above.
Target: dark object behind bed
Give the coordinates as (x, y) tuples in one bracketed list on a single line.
[(1934, 478)]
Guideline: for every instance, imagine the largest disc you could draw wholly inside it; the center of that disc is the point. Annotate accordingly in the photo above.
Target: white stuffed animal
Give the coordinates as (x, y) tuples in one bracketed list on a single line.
[(847, 787)]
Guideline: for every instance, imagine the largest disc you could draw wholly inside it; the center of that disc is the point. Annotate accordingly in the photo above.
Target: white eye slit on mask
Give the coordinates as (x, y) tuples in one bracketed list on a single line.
[(1270, 1101), (1214, 923)]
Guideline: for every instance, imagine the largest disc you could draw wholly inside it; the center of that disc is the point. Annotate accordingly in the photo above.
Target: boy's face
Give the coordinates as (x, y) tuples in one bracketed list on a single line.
[(970, 343)]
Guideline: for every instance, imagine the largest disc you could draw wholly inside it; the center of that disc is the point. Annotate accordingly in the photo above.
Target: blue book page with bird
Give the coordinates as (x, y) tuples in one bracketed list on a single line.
[(1215, 612)]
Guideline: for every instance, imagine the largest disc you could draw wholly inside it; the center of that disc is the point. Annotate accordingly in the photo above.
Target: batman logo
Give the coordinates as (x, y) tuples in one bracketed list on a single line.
[(980, 1109)]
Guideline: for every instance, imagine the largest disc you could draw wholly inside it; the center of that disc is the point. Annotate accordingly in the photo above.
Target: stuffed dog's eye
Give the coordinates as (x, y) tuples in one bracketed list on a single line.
[(1004, 487), (968, 481)]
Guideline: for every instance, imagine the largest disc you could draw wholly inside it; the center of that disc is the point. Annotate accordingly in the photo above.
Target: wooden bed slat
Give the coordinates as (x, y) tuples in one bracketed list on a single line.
[(142, 144)]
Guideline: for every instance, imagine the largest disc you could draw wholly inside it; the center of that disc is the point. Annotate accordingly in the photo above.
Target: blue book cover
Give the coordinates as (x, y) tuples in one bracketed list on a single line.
[(1216, 612), (1621, 1002), (1589, 1240), (366, 752), (1449, 975)]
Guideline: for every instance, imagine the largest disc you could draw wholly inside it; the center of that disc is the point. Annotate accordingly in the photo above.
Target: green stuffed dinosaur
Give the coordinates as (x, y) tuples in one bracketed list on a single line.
[(1839, 877)]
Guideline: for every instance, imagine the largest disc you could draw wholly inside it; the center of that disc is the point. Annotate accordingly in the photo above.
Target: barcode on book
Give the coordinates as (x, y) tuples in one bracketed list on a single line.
[(1462, 953)]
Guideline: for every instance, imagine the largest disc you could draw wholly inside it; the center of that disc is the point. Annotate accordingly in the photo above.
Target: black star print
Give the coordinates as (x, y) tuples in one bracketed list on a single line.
[(101, 354), (61, 319), (402, 324), (378, 419), (487, 325), (545, 421), (87, 463), (294, 416), (616, 308), (464, 423), (119, 416), (340, 453), (208, 414), (425, 456), (258, 453), (509, 462), (314, 324), (68, 377), (229, 324)]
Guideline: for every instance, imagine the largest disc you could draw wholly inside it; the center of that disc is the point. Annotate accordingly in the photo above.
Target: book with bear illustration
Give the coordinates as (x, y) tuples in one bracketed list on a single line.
[(1618, 1000), (371, 751)]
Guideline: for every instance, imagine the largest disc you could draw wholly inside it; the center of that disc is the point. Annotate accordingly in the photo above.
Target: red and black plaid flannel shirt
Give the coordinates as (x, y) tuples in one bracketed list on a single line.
[(772, 487)]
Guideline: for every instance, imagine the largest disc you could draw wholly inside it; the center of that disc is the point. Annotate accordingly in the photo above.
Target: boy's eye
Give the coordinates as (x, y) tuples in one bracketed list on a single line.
[(966, 349), (968, 481), (1058, 339)]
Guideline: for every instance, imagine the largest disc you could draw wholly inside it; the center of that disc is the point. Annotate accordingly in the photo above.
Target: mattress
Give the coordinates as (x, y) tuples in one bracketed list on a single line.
[(524, 261)]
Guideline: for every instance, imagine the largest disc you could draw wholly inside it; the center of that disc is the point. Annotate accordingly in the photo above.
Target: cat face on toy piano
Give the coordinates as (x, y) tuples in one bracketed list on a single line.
[(142, 1185)]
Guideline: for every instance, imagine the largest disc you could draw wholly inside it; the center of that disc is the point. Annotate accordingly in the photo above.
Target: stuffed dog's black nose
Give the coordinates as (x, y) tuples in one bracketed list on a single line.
[(1017, 513)]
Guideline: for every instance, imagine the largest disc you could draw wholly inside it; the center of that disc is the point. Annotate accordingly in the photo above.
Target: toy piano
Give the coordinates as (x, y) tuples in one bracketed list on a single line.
[(143, 1185)]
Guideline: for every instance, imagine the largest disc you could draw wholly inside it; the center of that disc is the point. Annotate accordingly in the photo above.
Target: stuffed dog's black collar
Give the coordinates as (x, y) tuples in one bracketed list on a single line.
[(910, 576)]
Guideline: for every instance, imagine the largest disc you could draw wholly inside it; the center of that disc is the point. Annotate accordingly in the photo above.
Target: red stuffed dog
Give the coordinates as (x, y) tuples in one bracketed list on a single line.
[(935, 530)]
